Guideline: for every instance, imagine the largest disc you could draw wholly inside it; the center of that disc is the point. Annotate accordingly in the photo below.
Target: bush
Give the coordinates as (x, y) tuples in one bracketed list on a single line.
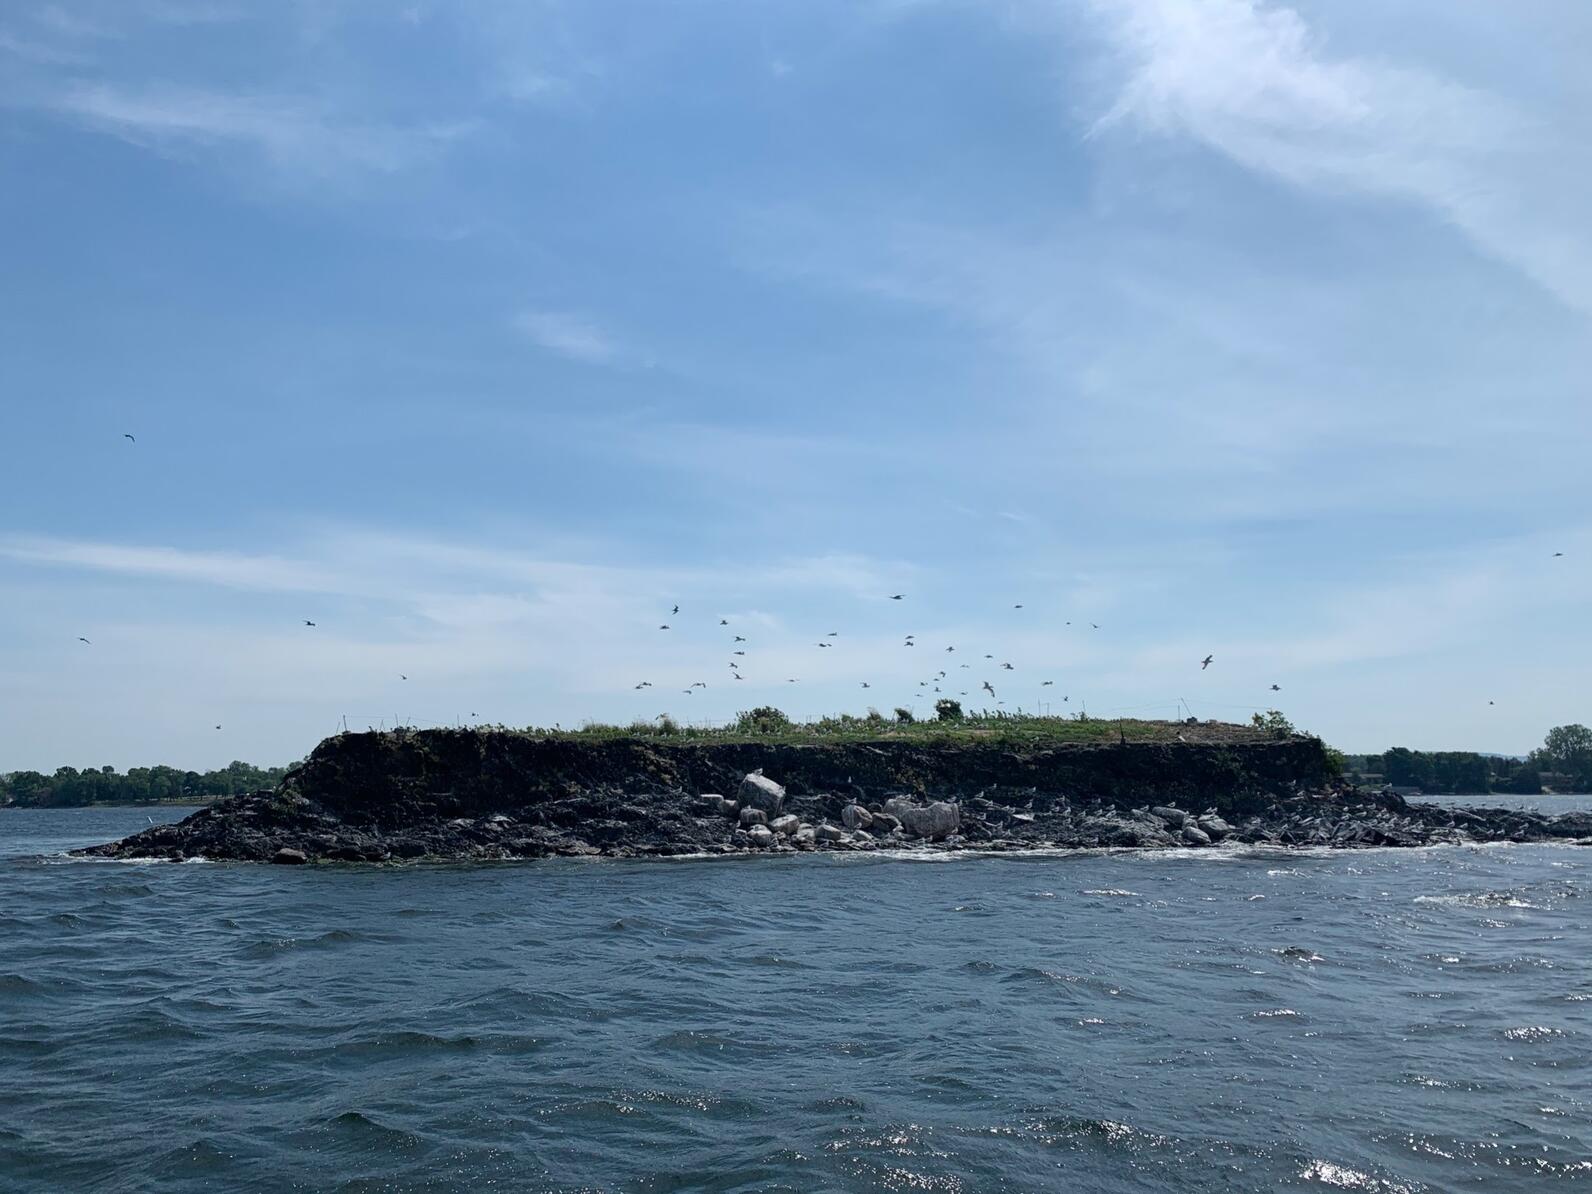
[(948, 710), (874, 718), (904, 716), (765, 719), (1274, 723), (668, 726)]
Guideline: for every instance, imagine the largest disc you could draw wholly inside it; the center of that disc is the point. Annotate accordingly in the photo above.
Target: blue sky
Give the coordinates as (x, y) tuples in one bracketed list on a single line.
[(483, 334)]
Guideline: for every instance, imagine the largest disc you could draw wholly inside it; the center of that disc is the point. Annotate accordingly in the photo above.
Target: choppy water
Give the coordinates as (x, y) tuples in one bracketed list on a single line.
[(1381, 1020)]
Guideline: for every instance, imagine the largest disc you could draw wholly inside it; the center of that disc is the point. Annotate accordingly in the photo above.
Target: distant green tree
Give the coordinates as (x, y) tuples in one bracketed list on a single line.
[(904, 715), (1567, 750), (947, 709)]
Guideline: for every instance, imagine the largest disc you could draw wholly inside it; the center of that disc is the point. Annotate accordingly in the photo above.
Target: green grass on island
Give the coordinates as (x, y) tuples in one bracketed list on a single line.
[(769, 725)]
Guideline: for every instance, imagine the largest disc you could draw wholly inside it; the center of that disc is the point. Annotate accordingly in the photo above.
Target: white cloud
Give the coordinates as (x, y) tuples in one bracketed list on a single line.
[(1255, 82), (569, 335), (291, 134)]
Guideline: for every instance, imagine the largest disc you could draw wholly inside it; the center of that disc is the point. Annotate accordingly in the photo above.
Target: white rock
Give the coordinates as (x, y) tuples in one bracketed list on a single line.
[(1175, 817), (940, 819), (854, 816), (1215, 826), (1195, 836), (758, 791), (761, 835), (753, 816), (830, 833), (787, 825)]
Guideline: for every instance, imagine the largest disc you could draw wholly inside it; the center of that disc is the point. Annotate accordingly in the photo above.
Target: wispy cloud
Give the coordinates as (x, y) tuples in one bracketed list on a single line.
[(569, 335), (1255, 82), (291, 134)]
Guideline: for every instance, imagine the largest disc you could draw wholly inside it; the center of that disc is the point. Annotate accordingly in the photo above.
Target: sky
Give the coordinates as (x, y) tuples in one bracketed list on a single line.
[(484, 334)]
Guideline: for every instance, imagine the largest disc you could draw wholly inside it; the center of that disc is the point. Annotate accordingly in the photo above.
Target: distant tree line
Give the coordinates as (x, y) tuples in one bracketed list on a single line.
[(69, 788), (1563, 762)]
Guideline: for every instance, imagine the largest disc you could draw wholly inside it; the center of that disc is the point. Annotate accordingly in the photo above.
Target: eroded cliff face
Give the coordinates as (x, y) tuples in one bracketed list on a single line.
[(463, 794), (394, 778)]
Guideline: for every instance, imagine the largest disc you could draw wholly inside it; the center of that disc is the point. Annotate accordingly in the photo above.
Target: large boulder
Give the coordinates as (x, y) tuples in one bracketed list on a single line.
[(761, 836), (1195, 836), (753, 816), (288, 856), (854, 816), (1213, 824), (760, 792), (786, 825), (940, 819), (1175, 817), (831, 833)]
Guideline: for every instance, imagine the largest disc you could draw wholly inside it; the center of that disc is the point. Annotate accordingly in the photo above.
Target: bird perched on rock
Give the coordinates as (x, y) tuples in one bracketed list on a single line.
[(1206, 662)]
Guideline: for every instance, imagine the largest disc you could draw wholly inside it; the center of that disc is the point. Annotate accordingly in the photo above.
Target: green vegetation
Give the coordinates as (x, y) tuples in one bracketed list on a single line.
[(1274, 723), (1563, 762), (773, 726), (70, 788)]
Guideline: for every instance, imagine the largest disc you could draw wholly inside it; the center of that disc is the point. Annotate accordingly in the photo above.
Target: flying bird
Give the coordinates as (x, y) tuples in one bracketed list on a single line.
[(1276, 687), (1206, 662), (699, 684), (403, 677), (738, 676), (897, 596), (664, 627), (1046, 683), (740, 638), (833, 634), (81, 639), (218, 727), (307, 622), (988, 688), (1017, 607), (740, 652), (1008, 667), (950, 648), (675, 610), (1096, 625), (865, 684), (1557, 554), (724, 621), (126, 436)]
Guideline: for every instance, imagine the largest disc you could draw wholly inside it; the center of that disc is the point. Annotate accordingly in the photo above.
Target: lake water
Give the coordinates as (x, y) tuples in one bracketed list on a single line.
[(1379, 1020)]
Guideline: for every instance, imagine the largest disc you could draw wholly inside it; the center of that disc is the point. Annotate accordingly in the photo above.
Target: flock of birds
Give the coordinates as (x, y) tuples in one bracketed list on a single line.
[(928, 687), (939, 684)]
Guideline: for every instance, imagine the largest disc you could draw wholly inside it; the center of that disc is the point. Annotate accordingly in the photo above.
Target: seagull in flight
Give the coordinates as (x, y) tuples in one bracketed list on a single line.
[(126, 436), (699, 684), (1557, 554), (675, 610), (218, 727), (1206, 662), (833, 634), (1017, 607), (897, 596), (403, 677), (950, 648), (740, 638), (664, 627), (740, 652), (307, 622), (724, 621), (865, 684), (988, 688), (1046, 683), (81, 639), (1276, 687), (1008, 667)]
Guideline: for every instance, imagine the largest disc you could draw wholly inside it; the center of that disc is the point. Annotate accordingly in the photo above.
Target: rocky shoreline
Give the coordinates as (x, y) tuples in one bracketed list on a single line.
[(459, 795)]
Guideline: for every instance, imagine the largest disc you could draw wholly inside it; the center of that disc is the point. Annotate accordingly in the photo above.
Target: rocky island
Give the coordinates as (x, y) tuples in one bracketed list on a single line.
[(1005, 785)]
